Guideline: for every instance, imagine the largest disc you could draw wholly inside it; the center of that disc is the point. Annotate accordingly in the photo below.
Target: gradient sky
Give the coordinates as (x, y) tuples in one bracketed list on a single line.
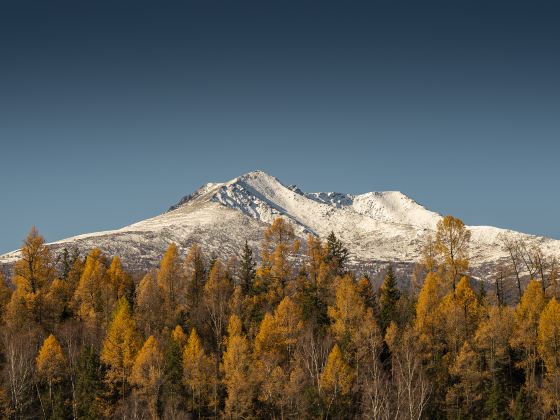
[(111, 111)]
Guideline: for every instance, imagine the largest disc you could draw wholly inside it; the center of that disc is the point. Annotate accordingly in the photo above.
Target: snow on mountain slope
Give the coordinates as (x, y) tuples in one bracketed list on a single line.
[(377, 227)]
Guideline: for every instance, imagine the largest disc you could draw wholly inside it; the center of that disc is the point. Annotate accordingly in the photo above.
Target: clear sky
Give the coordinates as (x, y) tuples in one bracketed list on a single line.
[(110, 111)]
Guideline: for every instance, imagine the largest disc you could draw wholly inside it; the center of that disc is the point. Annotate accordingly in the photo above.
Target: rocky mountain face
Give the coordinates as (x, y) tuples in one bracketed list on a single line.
[(376, 227)]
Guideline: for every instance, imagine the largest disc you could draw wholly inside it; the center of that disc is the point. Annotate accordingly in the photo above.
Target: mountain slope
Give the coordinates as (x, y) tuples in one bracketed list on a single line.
[(377, 227)]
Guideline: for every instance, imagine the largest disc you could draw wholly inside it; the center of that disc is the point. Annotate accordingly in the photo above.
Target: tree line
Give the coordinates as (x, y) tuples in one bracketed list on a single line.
[(291, 334)]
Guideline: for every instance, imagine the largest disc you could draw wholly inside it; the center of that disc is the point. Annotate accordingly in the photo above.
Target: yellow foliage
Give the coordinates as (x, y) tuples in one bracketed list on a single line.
[(179, 336), (171, 280), (235, 326), (197, 370), (526, 322), (452, 246), (121, 344), (94, 295), (353, 325), (50, 361), (460, 313), (237, 380), (120, 280), (147, 373), (493, 335), (148, 308), (337, 376), (33, 273), (549, 336)]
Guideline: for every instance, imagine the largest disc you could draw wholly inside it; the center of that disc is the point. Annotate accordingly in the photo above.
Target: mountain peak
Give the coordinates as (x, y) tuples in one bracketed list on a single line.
[(377, 227)]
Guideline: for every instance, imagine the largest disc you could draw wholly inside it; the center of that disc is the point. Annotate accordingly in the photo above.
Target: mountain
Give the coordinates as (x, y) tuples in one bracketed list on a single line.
[(377, 227)]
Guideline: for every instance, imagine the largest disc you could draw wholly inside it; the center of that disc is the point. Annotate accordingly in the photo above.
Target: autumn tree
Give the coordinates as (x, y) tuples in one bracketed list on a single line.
[(278, 246), (198, 373), (491, 342), (33, 273), (429, 328), (120, 280), (549, 351), (120, 347), (51, 366), (196, 272), (525, 333), (351, 320), (172, 282), (94, 297), (452, 248), (336, 382), (147, 374), (461, 312), (411, 386), (148, 306), (465, 395), (236, 364), (217, 294)]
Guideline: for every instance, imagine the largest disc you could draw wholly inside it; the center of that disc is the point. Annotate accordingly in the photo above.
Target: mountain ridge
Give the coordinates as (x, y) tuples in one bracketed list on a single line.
[(377, 227)]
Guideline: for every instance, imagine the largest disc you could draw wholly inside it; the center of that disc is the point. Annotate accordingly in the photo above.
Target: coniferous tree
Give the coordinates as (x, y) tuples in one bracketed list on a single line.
[(173, 387), (389, 295), (89, 384), (337, 253), (247, 269)]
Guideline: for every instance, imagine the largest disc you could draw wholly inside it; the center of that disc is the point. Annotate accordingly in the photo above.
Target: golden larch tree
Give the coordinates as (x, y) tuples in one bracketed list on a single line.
[(147, 374), (198, 373), (218, 290), (120, 347), (236, 369), (51, 364), (148, 305), (525, 332), (171, 280), (337, 379), (452, 248), (549, 350), (33, 273), (120, 280)]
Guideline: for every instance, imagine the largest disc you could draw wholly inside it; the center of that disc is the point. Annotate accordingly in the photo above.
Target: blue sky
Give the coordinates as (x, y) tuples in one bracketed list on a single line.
[(111, 111)]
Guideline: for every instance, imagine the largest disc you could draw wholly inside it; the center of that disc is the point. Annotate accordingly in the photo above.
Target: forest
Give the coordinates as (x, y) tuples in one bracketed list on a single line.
[(285, 330)]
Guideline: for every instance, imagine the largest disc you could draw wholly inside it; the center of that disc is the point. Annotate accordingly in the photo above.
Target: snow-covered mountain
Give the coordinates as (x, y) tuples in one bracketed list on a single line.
[(377, 227)]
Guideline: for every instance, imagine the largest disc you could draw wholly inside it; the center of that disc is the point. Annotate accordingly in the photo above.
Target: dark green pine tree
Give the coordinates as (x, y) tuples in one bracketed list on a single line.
[(67, 260), (248, 271), (389, 296), (337, 253), (173, 388), (89, 384), (496, 402)]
